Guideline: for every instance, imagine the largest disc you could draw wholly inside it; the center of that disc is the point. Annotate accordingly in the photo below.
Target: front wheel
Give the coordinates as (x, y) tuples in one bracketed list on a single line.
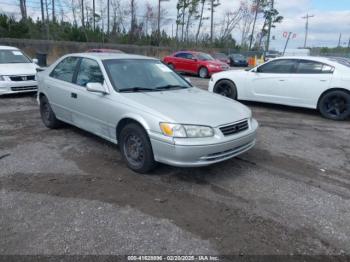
[(47, 115), (226, 88), (136, 148), (335, 105)]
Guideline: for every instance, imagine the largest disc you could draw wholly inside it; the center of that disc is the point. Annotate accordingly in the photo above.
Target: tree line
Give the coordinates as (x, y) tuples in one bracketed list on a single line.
[(196, 23)]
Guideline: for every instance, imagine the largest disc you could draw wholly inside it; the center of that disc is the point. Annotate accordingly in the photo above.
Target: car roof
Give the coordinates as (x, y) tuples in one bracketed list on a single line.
[(107, 56), (313, 58), (4, 47)]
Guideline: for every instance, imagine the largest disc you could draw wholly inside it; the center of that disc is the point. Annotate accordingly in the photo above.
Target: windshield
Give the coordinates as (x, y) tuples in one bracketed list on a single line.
[(204, 57), (142, 75), (13, 56)]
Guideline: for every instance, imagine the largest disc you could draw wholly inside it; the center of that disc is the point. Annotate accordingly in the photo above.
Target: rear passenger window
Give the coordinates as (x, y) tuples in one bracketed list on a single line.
[(280, 66), (312, 67), (181, 55), (65, 69), (89, 72)]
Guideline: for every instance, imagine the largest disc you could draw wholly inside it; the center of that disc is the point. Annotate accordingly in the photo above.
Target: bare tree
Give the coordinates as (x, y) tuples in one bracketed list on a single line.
[(23, 7), (192, 13), (213, 4), (230, 22), (246, 22), (201, 18)]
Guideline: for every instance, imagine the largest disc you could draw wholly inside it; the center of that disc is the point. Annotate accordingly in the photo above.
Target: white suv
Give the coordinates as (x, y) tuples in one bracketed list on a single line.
[(17, 71)]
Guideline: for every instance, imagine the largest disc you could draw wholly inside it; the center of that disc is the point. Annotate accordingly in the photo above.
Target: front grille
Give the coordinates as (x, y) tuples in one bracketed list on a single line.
[(22, 78), (234, 128), (24, 88)]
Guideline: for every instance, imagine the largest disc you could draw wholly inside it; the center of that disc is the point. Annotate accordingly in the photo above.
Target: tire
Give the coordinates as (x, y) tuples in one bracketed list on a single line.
[(136, 148), (47, 115), (335, 105), (226, 88), (203, 72), (171, 66)]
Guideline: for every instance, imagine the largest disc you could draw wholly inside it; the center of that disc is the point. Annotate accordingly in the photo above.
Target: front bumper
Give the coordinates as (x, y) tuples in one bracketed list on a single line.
[(12, 87), (203, 154)]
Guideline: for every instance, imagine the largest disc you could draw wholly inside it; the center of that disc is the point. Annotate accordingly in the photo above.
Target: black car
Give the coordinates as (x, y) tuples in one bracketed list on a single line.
[(238, 60)]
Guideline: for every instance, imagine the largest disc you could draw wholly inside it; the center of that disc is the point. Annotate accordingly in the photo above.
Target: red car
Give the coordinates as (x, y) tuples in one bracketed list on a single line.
[(197, 63)]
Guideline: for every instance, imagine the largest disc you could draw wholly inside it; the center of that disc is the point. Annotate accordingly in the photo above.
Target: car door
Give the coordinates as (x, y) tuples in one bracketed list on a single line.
[(270, 82), (59, 85), (190, 63), (89, 108), (179, 61), (312, 78)]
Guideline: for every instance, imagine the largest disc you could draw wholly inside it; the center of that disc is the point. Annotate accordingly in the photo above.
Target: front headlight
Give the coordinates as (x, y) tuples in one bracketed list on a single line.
[(213, 66), (192, 131)]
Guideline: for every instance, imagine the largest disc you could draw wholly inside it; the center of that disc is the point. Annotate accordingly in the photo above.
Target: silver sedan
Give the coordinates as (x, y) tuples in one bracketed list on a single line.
[(153, 113)]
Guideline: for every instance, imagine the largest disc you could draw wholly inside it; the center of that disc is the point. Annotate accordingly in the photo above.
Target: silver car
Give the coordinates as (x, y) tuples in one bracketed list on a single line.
[(153, 113)]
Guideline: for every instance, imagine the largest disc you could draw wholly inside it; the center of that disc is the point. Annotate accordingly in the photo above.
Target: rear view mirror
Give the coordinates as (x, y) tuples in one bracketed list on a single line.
[(35, 61), (95, 88)]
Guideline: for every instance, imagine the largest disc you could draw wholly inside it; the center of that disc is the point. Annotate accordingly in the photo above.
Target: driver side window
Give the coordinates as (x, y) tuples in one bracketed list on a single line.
[(89, 72), (280, 66)]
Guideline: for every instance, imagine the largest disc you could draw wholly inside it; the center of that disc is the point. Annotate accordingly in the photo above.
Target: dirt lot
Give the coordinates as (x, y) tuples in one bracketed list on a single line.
[(68, 192)]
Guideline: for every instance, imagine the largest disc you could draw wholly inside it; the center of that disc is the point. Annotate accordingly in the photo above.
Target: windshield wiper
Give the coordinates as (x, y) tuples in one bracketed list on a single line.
[(136, 89), (167, 87)]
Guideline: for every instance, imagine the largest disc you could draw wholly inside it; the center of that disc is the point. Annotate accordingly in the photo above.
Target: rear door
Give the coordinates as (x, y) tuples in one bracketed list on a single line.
[(271, 82), (312, 78), (59, 85)]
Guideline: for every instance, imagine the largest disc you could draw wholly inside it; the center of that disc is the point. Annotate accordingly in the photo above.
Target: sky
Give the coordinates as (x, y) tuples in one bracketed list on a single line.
[(331, 18)]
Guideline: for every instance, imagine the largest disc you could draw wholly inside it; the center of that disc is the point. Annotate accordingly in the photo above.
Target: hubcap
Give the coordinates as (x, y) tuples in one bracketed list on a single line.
[(46, 111), (336, 105), (134, 150), (224, 90), (203, 72)]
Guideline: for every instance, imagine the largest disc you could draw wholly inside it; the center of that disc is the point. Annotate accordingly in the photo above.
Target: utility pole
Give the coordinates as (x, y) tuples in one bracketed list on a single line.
[(349, 43), (254, 23), (93, 13), (285, 47), (270, 25), (307, 27), (108, 17), (339, 42)]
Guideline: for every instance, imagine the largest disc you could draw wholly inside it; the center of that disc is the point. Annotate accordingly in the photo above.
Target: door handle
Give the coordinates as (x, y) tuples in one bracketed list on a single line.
[(323, 80), (281, 80), (73, 95)]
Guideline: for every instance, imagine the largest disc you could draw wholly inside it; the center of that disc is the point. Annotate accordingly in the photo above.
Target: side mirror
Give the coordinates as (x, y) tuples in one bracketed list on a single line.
[(35, 60), (96, 88), (195, 59)]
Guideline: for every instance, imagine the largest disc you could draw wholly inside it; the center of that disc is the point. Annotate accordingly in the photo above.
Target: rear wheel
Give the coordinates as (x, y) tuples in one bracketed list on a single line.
[(47, 115), (335, 105), (203, 72), (136, 148), (226, 88)]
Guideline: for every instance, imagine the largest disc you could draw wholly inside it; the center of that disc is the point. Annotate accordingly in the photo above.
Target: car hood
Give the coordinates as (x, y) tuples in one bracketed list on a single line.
[(191, 106), (17, 69)]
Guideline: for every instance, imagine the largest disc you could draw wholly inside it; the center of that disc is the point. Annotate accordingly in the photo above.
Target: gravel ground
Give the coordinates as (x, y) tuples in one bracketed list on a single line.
[(66, 191)]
